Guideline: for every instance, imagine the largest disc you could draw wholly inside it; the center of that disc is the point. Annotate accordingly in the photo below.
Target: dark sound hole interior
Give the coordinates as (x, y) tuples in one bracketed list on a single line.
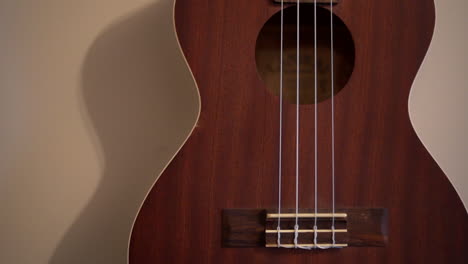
[(268, 54)]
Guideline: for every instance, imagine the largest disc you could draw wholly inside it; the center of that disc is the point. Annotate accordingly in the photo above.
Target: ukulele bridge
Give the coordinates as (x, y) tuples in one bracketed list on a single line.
[(356, 227), (321, 2)]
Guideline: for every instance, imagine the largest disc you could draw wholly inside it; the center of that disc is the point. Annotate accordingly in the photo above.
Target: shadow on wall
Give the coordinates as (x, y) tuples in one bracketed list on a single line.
[(141, 102)]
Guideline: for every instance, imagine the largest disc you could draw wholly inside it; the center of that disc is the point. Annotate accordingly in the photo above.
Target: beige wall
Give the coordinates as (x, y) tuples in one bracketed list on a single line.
[(438, 102), (95, 99)]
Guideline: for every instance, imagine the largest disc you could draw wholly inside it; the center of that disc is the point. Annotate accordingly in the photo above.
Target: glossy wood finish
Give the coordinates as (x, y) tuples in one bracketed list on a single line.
[(231, 161)]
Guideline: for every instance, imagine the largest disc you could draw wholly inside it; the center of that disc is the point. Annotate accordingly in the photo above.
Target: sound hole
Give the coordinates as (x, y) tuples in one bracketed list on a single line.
[(268, 54)]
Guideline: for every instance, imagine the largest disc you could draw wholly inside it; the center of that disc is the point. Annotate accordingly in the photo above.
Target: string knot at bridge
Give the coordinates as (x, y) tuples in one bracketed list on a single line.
[(315, 231)]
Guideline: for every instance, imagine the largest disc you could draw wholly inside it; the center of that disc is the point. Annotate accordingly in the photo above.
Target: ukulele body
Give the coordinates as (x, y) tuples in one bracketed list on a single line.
[(230, 159)]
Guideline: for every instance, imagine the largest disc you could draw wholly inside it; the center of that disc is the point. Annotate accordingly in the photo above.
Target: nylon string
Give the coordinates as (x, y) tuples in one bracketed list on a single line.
[(296, 226), (315, 127), (332, 70), (280, 128)]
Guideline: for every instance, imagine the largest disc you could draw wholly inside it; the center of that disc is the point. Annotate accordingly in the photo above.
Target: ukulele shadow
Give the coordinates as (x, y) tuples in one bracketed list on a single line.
[(134, 82)]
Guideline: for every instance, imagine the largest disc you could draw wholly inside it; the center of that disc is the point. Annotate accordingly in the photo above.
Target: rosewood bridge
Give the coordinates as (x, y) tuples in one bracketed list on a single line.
[(258, 228), (322, 2)]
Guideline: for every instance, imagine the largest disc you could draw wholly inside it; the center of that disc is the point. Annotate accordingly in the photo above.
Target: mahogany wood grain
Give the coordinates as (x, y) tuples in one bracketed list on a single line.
[(231, 158)]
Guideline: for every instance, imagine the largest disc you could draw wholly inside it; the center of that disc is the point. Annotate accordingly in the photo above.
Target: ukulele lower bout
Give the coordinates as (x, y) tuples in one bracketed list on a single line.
[(231, 158), (358, 227)]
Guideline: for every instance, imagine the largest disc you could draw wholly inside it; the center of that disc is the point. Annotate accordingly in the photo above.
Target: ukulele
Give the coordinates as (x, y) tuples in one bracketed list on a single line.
[(303, 151)]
